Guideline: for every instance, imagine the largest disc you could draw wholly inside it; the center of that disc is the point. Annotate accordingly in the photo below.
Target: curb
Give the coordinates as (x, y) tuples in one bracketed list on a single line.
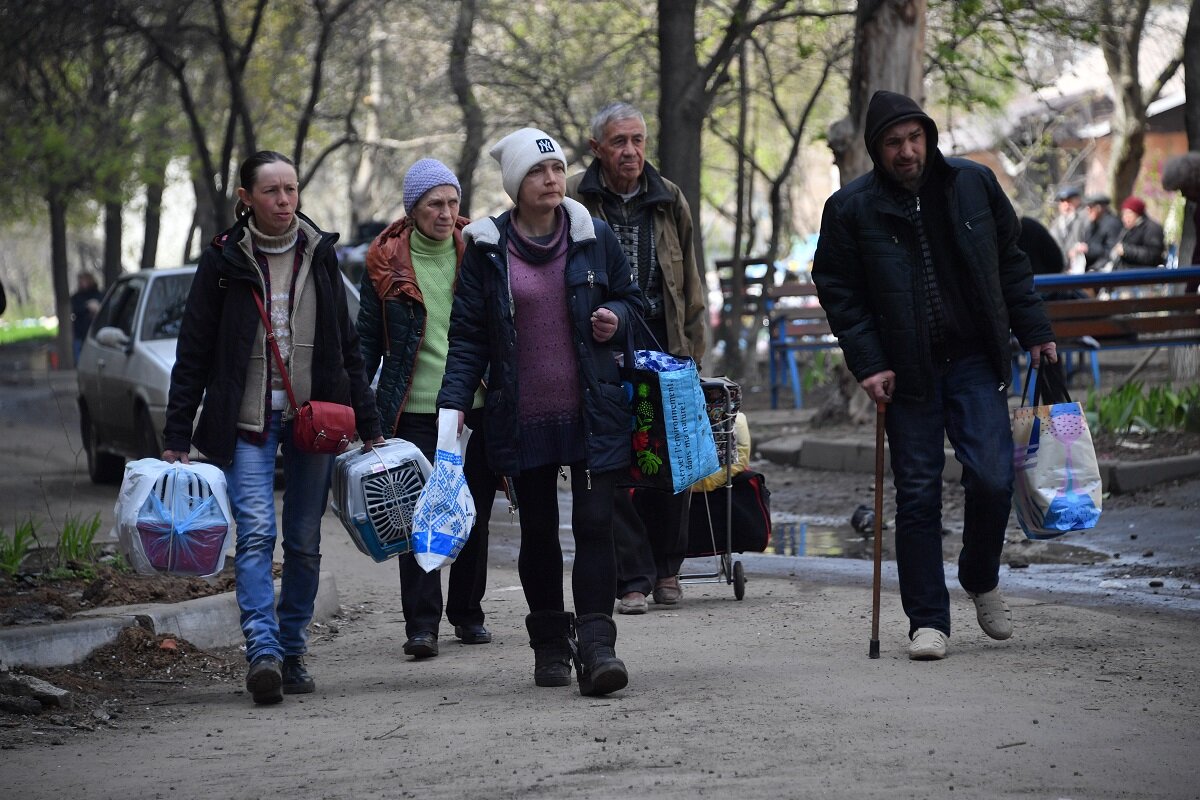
[(205, 622), (851, 454)]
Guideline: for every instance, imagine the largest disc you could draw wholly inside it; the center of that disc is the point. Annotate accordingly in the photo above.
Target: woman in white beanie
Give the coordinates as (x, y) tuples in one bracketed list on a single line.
[(403, 319), (541, 309)]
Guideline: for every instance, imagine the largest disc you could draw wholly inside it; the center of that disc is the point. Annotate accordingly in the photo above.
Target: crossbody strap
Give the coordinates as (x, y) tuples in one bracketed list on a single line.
[(283, 373)]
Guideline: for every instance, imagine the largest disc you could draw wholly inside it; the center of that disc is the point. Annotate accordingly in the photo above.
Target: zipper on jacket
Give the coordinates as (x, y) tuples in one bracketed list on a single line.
[(588, 473), (591, 276)]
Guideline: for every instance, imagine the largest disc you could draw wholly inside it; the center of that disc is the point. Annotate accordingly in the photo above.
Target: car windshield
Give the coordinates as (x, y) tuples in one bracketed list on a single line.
[(164, 307)]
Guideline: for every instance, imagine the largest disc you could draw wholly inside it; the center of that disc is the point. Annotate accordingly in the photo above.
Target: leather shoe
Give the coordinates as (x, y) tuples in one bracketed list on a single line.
[(473, 634), (264, 680), (296, 679), (632, 603), (421, 645)]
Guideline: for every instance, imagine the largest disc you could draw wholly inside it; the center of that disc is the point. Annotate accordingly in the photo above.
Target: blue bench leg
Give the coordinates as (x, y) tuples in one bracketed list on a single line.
[(794, 370), (774, 376), (1095, 357)]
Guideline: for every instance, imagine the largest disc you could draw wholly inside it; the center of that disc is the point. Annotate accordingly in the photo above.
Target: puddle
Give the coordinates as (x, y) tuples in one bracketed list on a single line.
[(815, 535)]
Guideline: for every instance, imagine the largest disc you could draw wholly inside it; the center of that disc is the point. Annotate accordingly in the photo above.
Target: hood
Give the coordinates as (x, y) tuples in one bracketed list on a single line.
[(885, 110), (389, 259)]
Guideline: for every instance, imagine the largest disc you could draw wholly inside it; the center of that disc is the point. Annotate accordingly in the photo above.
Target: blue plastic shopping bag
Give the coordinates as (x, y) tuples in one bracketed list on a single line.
[(445, 511), (673, 445)]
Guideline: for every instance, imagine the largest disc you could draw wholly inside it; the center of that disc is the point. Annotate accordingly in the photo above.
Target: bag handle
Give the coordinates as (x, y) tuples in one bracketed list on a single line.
[(283, 373), (629, 344), (1045, 386)]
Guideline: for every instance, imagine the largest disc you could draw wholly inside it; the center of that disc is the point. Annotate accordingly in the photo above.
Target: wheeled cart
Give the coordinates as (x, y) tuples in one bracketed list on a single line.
[(722, 399)]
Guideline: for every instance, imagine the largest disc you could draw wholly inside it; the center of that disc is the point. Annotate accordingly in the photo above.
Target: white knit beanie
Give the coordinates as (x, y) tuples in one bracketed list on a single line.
[(519, 152)]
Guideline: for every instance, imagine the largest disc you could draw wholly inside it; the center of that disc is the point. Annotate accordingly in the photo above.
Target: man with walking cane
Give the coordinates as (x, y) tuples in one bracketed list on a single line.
[(919, 273)]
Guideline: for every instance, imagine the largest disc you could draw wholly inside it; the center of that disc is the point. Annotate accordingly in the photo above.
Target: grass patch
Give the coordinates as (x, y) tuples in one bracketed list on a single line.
[(27, 331), (14, 549)]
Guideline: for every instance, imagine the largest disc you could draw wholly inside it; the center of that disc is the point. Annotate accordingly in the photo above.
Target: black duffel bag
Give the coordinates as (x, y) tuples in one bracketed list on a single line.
[(751, 520)]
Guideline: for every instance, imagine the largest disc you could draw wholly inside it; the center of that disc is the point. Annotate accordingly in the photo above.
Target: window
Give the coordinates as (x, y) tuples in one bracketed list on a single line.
[(164, 307)]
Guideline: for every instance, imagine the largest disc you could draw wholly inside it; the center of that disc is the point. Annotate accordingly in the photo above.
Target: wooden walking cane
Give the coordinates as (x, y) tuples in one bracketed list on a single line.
[(880, 411)]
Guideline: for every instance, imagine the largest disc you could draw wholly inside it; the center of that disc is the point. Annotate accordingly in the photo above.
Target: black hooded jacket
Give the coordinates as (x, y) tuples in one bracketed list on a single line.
[(868, 263)]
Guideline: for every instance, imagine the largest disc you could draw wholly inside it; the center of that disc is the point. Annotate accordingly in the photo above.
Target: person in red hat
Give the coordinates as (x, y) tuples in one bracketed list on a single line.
[(1142, 243)]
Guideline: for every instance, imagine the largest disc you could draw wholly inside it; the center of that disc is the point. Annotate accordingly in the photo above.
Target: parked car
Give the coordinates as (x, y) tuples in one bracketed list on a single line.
[(124, 369)]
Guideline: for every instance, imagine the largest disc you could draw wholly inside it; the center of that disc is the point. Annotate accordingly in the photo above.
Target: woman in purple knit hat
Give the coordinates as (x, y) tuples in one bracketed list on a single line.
[(403, 319)]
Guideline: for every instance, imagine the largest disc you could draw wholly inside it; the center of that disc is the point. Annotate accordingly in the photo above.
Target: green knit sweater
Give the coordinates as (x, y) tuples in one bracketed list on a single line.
[(434, 264)]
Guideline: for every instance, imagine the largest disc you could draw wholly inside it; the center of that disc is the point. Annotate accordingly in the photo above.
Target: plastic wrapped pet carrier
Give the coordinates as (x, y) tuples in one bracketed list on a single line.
[(174, 518)]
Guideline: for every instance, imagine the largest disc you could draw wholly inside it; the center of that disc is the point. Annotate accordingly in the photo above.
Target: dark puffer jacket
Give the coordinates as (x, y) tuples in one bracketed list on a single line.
[(393, 328), (220, 325), (1143, 244), (868, 264), (483, 336)]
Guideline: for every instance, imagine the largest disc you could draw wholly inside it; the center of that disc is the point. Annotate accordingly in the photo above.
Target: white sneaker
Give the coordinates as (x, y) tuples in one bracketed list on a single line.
[(993, 614), (928, 644)]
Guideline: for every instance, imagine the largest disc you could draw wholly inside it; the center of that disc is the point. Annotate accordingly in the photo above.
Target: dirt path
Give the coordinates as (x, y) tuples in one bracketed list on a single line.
[(765, 698), (769, 697)]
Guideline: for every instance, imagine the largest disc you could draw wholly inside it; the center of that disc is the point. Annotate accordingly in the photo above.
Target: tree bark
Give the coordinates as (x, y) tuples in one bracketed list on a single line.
[(468, 155), (889, 46), (57, 202), (111, 265), (1191, 77), (683, 102)]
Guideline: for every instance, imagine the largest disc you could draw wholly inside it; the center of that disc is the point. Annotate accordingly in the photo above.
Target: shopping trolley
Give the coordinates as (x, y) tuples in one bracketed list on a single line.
[(712, 536)]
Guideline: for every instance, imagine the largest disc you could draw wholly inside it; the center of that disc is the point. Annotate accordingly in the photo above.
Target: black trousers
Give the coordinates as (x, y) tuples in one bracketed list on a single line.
[(650, 531), (421, 591), (540, 564)]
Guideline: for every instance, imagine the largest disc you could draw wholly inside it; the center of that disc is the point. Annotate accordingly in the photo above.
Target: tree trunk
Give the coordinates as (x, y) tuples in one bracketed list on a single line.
[(735, 358), (111, 265), (57, 203), (468, 156), (889, 45), (209, 217), (1191, 77), (682, 104), (1120, 33), (152, 223)]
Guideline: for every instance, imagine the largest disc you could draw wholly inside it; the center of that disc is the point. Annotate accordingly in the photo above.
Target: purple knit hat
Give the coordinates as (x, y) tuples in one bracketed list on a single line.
[(423, 176)]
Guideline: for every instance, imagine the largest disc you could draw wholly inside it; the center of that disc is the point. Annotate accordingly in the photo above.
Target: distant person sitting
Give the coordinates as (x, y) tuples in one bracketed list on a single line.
[(1142, 243), (84, 305), (1100, 235), (1067, 227)]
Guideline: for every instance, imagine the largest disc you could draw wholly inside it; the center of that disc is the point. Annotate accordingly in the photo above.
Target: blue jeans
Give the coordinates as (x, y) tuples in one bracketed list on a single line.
[(966, 406), (251, 478)]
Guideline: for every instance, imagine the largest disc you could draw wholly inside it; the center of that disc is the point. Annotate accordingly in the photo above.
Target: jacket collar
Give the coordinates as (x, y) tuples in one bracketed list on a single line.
[(652, 184), (389, 259), (487, 231)]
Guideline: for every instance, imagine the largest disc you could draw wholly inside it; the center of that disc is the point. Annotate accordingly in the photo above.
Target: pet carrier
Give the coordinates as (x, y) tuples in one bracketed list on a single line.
[(374, 494)]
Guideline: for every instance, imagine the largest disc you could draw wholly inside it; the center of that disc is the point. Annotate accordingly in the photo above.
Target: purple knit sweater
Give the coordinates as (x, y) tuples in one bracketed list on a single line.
[(550, 400)]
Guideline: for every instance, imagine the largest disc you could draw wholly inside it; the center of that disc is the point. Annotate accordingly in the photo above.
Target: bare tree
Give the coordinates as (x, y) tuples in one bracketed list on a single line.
[(1121, 27), (889, 43), (472, 114), (1191, 76)]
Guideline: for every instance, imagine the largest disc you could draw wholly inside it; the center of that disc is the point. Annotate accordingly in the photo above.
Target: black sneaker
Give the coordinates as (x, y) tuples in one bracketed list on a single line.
[(473, 634), (264, 680), (296, 679), (421, 645)]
